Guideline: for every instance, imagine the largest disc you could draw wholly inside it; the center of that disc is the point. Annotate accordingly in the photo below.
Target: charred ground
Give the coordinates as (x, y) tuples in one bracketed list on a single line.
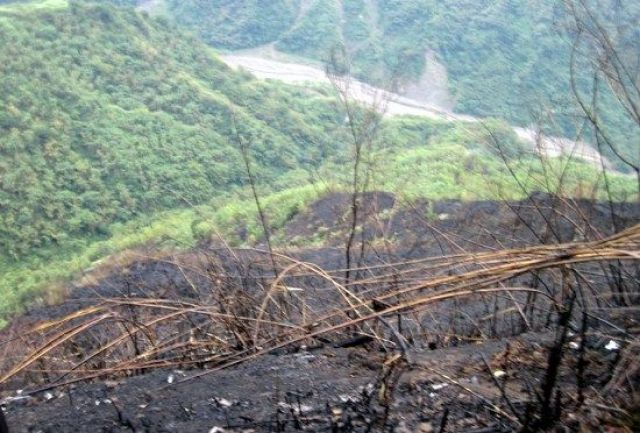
[(481, 363)]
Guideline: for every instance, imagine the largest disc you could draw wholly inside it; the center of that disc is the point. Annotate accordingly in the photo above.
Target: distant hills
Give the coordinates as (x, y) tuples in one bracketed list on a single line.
[(503, 58)]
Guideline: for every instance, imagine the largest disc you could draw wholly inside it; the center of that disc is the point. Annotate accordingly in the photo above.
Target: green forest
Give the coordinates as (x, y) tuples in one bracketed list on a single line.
[(120, 129), (505, 58), (107, 115)]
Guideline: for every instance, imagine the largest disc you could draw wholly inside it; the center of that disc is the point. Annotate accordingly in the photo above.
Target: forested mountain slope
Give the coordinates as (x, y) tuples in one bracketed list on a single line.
[(118, 130), (502, 58), (107, 114), (490, 58)]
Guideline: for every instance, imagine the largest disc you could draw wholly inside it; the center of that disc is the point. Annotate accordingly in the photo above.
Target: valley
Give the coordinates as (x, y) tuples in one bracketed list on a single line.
[(96, 160), (393, 104), (393, 216)]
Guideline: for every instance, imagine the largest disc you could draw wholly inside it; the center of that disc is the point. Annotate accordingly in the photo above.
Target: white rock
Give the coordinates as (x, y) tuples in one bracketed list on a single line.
[(170, 379), (425, 427), (303, 408), (223, 402), (306, 357), (498, 374), (217, 430), (612, 345), (439, 386), (574, 345)]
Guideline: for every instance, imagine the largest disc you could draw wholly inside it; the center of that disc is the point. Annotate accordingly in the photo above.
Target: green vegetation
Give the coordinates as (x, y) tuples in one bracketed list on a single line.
[(461, 161), (317, 33), (235, 24), (25, 282), (108, 115), (118, 131), (505, 58)]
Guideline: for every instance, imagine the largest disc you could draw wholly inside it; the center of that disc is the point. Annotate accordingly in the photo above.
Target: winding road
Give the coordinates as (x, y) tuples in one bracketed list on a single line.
[(393, 104)]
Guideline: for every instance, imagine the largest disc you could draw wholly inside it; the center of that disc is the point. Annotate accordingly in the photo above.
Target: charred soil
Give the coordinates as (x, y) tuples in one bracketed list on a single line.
[(446, 326)]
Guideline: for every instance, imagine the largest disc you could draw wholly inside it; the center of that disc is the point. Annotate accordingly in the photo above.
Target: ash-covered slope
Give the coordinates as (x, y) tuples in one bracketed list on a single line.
[(467, 366)]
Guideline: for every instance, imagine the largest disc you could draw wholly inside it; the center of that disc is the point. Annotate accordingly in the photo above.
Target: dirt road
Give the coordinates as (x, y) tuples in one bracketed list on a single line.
[(393, 104)]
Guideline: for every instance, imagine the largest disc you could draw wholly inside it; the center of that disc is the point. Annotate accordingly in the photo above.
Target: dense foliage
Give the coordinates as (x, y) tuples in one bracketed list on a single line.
[(107, 115), (235, 24), (316, 33), (117, 130), (505, 58)]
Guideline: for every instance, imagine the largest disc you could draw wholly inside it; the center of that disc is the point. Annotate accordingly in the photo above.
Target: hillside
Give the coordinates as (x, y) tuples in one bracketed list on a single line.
[(203, 340), (202, 229), (506, 58), (114, 125), (502, 58), (107, 115)]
